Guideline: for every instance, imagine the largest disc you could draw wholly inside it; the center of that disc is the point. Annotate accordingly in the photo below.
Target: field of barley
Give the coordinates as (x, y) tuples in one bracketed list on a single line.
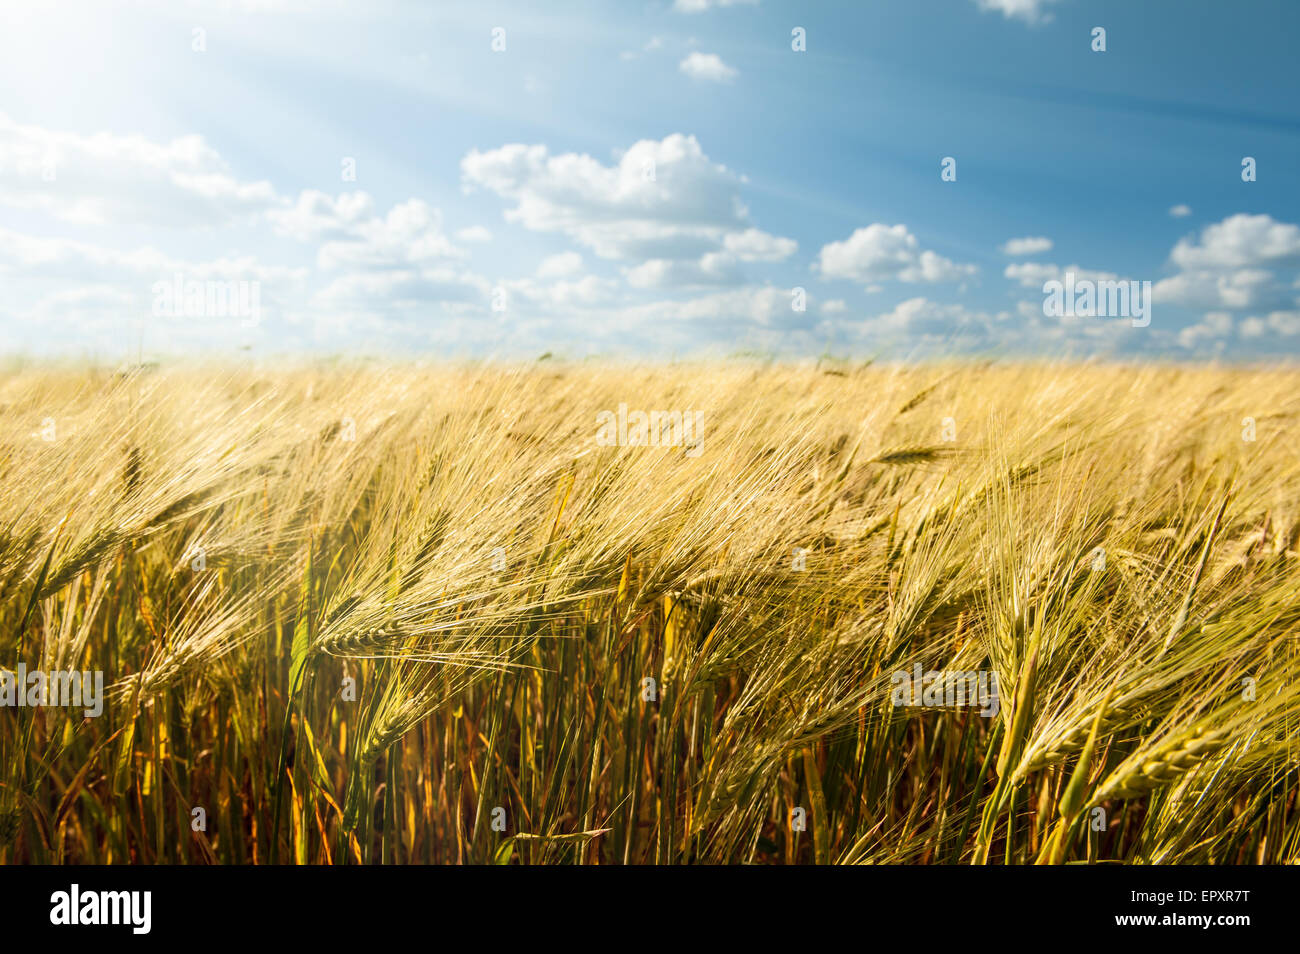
[(384, 613)]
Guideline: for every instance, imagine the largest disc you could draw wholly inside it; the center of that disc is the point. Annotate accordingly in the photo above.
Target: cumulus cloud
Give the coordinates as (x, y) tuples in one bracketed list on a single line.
[(1030, 11), (753, 245), (920, 325), (473, 234), (396, 289), (707, 66), (1034, 274), (102, 293), (664, 208), (1180, 211), (665, 273), (411, 233), (105, 179), (764, 306), (1230, 265), (565, 294), (369, 262), (1244, 288), (560, 266), (1285, 323), (1214, 327), (699, 6), (316, 215), (723, 267), (73, 260), (353, 236), (883, 252), (1240, 241), (1030, 245), (660, 199), (921, 317)]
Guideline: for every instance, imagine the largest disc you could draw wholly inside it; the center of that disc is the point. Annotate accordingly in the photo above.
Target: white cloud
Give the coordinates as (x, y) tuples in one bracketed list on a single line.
[(1031, 11), (1244, 288), (1228, 266), (661, 199), (472, 234), (1240, 241), (316, 215), (699, 6), (665, 273), (403, 287), (1032, 310), (105, 296), (721, 267), (1180, 211), (72, 260), (753, 245), (410, 233), (377, 272), (759, 305), (354, 237), (588, 290), (920, 316), (105, 179), (1281, 322), (560, 266), (707, 66), (664, 208), (882, 252), (380, 262), (564, 295), (1030, 245), (1034, 274), (1215, 326)]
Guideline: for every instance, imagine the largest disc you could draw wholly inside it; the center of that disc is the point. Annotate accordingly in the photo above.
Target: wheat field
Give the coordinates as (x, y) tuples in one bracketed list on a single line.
[(387, 613)]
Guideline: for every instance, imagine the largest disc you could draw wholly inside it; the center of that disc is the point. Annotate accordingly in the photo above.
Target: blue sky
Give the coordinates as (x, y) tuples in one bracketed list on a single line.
[(648, 179)]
